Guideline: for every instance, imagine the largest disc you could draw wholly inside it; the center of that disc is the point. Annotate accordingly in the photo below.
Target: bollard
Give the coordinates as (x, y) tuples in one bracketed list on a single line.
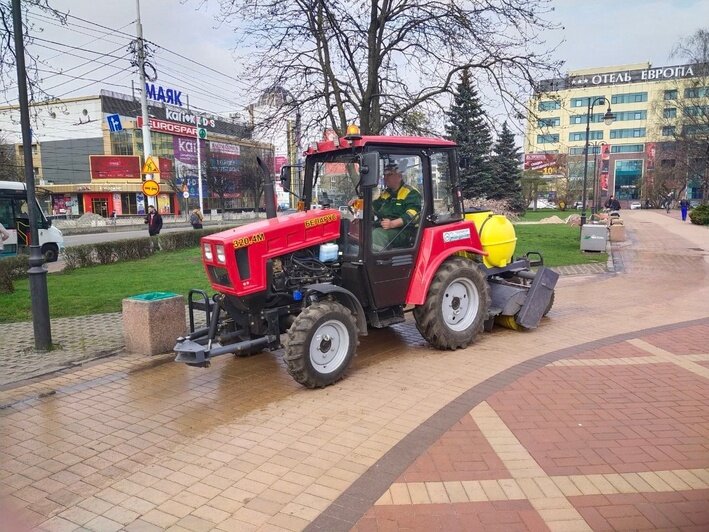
[(152, 322)]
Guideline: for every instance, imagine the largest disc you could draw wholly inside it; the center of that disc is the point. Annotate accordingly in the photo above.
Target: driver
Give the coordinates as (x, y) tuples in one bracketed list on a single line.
[(397, 208)]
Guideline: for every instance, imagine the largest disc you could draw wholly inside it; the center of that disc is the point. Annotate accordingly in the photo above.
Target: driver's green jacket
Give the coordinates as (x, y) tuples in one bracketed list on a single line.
[(405, 203)]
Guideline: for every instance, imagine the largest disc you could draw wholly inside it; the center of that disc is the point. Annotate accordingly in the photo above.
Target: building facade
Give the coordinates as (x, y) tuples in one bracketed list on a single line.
[(88, 155), (642, 154)]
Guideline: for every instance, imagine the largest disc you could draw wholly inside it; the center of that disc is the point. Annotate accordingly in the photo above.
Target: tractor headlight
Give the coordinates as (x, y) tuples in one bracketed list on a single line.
[(207, 249), (221, 257)]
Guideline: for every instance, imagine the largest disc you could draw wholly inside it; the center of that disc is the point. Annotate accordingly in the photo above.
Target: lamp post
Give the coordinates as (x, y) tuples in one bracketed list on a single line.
[(597, 148), (608, 120)]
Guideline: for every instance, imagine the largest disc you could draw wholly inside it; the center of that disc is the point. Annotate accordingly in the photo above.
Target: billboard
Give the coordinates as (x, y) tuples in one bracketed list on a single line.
[(185, 170), (546, 163), (224, 167), (114, 166)]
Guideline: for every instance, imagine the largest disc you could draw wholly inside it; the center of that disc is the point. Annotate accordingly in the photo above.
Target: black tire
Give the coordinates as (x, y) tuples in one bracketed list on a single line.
[(459, 285), (316, 362), (50, 252)]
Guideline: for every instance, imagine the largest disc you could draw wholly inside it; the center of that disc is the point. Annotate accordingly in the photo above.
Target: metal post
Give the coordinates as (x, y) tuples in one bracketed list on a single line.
[(199, 171), (37, 274), (147, 141), (585, 163)]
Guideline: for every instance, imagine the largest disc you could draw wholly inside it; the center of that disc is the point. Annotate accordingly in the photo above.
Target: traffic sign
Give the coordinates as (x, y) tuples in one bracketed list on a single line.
[(186, 194), (151, 166), (114, 123), (151, 188), (202, 133)]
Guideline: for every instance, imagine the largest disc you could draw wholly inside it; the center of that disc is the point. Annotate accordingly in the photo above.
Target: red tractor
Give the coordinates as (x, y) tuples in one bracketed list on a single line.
[(364, 248)]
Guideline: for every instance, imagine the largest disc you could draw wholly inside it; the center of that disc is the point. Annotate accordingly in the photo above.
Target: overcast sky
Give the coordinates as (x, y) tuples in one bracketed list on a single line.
[(596, 33)]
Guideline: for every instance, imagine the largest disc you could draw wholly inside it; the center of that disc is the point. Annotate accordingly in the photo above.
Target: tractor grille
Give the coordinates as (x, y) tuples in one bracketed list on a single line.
[(219, 275)]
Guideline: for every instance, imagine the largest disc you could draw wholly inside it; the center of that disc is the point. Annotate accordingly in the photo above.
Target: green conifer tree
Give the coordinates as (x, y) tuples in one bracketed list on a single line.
[(468, 128), (506, 170)]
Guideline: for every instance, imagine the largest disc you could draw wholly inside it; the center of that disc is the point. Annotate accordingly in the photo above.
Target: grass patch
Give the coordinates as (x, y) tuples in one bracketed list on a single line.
[(559, 244), (100, 289), (535, 216)]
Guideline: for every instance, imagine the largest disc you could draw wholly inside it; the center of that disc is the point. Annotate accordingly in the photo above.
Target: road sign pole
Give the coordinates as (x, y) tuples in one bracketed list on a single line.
[(199, 168), (147, 144)]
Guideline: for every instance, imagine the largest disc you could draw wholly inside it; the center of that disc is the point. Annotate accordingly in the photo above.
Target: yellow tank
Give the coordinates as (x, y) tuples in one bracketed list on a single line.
[(497, 235)]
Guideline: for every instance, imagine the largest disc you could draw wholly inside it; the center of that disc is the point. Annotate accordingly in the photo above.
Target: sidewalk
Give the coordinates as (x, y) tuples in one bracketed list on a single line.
[(597, 420)]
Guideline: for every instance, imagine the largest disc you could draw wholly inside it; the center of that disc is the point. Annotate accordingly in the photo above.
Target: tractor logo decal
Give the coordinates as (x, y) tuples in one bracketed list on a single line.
[(248, 240), (452, 236), (320, 220)]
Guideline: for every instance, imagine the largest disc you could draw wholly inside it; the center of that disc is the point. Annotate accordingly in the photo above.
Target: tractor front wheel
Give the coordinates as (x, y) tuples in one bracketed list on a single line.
[(456, 306), (321, 344)]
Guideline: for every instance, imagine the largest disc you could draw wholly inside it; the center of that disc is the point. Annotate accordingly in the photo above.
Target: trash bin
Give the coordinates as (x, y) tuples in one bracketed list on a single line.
[(617, 230), (153, 321), (594, 237)]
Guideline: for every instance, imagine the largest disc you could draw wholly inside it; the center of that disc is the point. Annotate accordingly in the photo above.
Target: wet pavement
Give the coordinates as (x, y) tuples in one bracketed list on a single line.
[(596, 420)]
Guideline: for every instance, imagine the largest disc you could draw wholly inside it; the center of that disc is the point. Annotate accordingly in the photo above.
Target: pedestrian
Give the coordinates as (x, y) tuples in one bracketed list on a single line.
[(612, 204), (196, 219), (668, 202), (4, 235), (154, 221), (684, 207)]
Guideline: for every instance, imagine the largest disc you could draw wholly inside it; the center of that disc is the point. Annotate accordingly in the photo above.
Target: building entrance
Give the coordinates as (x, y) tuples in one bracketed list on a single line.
[(100, 206)]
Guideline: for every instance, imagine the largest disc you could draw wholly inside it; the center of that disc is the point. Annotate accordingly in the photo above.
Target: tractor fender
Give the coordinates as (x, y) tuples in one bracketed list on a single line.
[(438, 244), (345, 297)]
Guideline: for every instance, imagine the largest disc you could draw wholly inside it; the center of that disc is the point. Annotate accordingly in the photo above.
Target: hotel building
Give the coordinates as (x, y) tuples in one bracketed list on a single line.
[(637, 153)]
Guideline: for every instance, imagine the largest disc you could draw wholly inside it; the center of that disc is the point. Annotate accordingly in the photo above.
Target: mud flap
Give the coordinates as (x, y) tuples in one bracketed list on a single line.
[(537, 298)]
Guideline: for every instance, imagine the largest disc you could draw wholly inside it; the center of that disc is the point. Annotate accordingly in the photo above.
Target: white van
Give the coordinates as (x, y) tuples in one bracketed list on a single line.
[(14, 216)]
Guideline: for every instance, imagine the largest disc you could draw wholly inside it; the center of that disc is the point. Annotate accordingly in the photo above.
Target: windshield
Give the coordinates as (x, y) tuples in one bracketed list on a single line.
[(335, 181)]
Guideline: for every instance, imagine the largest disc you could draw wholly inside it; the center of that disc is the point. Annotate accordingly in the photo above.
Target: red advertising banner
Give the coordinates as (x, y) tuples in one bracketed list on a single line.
[(278, 162), (165, 166), (173, 128), (605, 165), (114, 166), (539, 161), (650, 149)]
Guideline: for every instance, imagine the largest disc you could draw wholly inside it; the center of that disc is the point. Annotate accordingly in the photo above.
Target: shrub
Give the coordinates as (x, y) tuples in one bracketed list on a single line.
[(105, 253), (12, 268), (78, 256), (700, 215)]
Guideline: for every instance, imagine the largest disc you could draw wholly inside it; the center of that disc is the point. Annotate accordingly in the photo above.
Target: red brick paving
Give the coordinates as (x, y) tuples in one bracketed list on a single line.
[(605, 419), (645, 511), (498, 515), (686, 341), (462, 453)]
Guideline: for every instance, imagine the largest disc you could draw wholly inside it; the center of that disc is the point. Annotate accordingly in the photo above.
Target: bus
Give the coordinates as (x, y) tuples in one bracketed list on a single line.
[(14, 216)]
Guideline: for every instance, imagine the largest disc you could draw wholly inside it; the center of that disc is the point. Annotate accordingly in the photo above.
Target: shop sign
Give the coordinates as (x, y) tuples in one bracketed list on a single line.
[(634, 76), (188, 118), (114, 166), (160, 94), (172, 128)]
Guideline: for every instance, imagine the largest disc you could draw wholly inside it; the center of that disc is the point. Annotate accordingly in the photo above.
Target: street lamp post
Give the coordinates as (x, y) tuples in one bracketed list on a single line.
[(608, 120)]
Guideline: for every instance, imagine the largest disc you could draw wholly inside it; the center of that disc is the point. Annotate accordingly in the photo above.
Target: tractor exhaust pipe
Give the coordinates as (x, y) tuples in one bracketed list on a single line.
[(268, 191)]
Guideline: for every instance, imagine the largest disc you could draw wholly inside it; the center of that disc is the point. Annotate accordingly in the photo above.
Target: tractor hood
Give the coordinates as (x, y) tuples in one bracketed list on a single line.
[(236, 259)]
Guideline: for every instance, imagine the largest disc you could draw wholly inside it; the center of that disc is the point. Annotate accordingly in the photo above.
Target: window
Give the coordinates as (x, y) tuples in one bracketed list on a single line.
[(583, 102), (627, 133), (669, 112), (697, 110), (628, 176), (581, 135), (549, 105), (630, 115), (544, 139), (667, 163), (592, 150), (628, 148), (696, 92), (444, 208), (122, 142), (549, 122), (668, 131), (696, 128), (633, 97), (670, 94), (595, 118)]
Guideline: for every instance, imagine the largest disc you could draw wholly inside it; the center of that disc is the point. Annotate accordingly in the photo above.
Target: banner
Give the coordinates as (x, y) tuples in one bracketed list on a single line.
[(546, 163), (224, 163), (650, 149), (605, 165), (114, 166), (185, 150)]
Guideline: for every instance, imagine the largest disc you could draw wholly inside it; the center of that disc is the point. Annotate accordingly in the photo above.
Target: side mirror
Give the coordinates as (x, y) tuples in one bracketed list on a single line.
[(369, 169), (285, 178)]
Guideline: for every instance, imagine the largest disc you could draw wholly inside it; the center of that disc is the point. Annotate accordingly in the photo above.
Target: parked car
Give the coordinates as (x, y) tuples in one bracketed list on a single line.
[(635, 205), (577, 204)]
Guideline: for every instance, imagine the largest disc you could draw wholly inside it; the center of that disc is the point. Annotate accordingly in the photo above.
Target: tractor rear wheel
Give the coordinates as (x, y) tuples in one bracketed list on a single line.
[(456, 306), (321, 344)]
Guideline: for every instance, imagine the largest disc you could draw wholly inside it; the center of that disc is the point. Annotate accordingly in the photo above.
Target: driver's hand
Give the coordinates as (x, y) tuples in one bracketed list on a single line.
[(391, 224)]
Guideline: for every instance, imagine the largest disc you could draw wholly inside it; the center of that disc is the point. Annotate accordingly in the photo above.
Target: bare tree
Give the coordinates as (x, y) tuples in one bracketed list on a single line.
[(8, 73), (250, 177), (683, 137), (376, 62), (10, 170)]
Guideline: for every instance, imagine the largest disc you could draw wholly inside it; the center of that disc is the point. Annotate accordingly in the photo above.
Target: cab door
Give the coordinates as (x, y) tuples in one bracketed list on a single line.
[(389, 267)]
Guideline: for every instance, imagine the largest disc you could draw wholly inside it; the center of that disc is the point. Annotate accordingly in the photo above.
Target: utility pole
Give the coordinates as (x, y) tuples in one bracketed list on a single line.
[(37, 274), (198, 139), (147, 143)]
